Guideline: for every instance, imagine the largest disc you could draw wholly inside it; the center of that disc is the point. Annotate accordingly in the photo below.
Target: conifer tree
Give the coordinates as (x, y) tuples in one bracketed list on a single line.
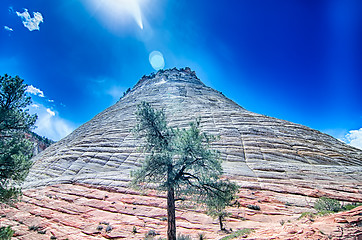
[(180, 162), (15, 150)]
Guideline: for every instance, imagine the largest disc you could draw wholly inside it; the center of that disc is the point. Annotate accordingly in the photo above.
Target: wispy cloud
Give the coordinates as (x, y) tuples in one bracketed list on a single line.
[(35, 91), (354, 138), (49, 123), (9, 29), (115, 92), (31, 23), (51, 113)]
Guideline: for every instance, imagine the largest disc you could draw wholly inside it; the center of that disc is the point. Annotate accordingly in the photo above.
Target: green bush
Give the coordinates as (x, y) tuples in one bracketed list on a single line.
[(183, 237), (327, 204), (202, 236), (6, 233), (151, 235), (307, 214), (350, 206), (242, 232), (33, 228), (254, 207)]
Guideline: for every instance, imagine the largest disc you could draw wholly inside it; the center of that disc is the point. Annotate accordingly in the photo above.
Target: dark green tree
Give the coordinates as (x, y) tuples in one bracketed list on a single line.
[(180, 162), (216, 207), (15, 150)]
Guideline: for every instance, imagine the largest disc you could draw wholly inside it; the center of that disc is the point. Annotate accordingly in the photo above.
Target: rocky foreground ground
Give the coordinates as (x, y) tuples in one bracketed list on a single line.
[(71, 211)]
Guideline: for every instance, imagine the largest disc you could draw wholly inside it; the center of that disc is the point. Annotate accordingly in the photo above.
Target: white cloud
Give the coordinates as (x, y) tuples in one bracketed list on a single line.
[(9, 29), (50, 124), (35, 91), (31, 23), (51, 113), (354, 138)]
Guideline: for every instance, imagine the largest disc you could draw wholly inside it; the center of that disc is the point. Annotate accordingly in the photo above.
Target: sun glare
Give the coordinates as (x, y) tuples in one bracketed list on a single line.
[(114, 13)]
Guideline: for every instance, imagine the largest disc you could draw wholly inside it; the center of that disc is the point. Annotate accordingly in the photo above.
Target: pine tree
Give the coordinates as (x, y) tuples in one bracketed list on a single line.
[(180, 162), (15, 150)]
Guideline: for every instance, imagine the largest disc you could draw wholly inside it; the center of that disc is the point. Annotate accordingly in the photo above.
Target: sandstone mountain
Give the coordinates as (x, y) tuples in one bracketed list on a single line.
[(78, 187), (260, 151)]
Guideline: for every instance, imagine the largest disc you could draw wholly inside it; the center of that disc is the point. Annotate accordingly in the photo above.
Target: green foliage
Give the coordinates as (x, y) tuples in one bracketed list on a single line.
[(183, 237), (33, 228), (180, 162), (134, 230), (327, 204), (150, 235), (181, 158), (6, 233), (351, 206), (307, 215), (254, 207), (109, 228), (15, 150), (242, 232), (202, 236)]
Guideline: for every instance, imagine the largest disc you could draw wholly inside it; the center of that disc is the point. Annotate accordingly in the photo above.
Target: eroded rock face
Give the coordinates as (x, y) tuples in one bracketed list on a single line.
[(78, 187), (259, 152)]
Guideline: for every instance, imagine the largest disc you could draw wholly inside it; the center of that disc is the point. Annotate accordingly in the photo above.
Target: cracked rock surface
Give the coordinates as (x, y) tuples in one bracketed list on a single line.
[(78, 187), (258, 151)]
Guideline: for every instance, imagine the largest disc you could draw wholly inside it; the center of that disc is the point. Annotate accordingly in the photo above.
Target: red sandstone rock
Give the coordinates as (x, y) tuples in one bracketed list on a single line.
[(76, 211)]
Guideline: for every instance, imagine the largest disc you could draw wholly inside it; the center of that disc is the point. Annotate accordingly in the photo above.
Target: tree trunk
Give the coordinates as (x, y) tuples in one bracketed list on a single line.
[(171, 217), (221, 224)]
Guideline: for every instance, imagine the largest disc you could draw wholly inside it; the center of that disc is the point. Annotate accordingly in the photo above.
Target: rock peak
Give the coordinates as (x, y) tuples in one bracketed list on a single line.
[(173, 74)]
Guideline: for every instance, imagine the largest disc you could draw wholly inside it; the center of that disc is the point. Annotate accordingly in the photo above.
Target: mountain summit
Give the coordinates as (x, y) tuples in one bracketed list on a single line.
[(259, 152)]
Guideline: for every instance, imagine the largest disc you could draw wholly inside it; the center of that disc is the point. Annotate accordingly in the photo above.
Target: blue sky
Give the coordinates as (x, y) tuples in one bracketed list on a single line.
[(296, 60)]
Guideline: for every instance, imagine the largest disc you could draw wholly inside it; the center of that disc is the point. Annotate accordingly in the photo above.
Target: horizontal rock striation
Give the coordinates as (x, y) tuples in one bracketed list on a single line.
[(72, 211), (259, 152)]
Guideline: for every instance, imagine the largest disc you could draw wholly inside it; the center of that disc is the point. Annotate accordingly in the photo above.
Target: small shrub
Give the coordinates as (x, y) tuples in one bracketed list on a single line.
[(254, 207), (327, 204), (42, 232), (350, 206), (109, 228), (6, 233), (324, 212), (100, 227), (307, 214), (151, 235), (202, 236), (242, 232), (183, 237), (163, 219), (33, 228), (134, 230), (282, 222), (53, 237)]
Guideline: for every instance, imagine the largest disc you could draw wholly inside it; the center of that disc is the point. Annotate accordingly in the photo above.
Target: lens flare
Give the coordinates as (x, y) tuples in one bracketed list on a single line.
[(157, 61), (114, 13)]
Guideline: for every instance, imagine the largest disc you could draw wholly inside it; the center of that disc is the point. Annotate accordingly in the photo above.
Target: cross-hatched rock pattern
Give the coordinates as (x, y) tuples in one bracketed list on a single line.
[(259, 152)]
